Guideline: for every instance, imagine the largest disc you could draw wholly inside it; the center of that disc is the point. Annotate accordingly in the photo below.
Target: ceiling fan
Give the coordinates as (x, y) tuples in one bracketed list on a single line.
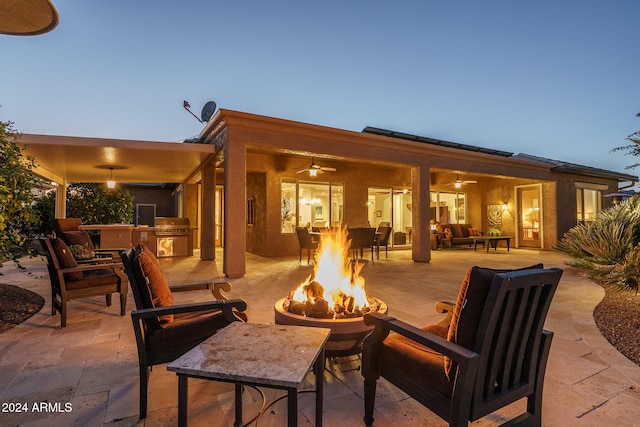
[(314, 169), (459, 182)]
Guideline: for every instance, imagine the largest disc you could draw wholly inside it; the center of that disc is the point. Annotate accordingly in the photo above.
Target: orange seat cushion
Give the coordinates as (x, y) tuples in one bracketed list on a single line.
[(419, 362), (154, 287)]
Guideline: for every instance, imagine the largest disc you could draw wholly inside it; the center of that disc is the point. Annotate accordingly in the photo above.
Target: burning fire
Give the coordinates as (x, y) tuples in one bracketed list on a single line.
[(335, 289)]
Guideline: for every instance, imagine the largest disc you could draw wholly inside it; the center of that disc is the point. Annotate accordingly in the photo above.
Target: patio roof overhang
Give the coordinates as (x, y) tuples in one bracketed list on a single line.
[(78, 159)]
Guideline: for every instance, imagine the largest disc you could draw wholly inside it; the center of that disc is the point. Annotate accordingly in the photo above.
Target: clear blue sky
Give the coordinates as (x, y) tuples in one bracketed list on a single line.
[(553, 78)]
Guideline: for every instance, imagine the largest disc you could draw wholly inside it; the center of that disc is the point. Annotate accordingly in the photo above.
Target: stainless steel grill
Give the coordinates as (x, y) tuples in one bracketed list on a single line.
[(172, 226), (173, 237)]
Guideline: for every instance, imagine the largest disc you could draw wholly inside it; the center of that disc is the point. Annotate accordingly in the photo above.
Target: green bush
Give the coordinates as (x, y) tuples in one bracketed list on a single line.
[(93, 203), (607, 249), (17, 218)]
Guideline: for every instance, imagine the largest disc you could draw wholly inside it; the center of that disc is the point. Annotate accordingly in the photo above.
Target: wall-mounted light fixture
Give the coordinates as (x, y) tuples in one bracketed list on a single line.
[(111, 184), (505, 205)]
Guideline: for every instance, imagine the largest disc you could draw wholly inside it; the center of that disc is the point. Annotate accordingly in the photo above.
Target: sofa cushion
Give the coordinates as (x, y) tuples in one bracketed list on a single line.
[(66, 259), (153, 285), (470, 306), (473, 232)]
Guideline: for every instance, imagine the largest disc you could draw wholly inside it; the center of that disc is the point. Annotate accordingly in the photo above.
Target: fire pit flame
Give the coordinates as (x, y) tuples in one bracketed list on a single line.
[(335, 289)]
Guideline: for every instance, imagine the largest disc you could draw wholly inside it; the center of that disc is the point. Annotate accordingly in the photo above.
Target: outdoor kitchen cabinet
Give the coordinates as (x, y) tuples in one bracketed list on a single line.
[(112, 236)]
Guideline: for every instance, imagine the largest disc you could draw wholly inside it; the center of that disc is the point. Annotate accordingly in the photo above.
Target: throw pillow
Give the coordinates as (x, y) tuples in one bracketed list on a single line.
[(65, 258), (473, 232), (79, 237), (156, 292), (470, 306), (456, 229)]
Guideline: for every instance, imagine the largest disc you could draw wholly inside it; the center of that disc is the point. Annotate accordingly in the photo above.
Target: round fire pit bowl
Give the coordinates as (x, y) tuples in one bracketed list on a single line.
[(346, 334)]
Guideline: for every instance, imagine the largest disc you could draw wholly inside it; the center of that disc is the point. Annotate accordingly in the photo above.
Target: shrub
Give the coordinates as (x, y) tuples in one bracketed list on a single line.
[(607, 249), (17, 218), (93, 203)]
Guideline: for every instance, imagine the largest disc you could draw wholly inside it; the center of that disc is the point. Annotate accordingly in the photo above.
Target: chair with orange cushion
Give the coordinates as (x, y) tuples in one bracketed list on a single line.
[(71, 281), (493, 351), (165, 331)]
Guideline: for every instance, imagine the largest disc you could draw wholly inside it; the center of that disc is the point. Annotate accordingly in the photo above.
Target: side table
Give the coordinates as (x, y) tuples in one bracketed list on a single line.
[(275, 356)]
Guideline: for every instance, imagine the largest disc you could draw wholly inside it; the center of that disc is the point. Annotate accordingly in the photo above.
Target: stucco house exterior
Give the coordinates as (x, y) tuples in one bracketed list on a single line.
[(258, 177)]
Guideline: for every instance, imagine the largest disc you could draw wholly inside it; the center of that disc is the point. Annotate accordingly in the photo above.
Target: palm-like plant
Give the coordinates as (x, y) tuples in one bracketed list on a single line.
[(608, 249)]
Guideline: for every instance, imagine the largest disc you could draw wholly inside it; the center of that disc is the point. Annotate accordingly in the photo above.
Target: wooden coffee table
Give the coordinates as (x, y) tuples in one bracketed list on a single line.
[(274, 356), (491, 241)]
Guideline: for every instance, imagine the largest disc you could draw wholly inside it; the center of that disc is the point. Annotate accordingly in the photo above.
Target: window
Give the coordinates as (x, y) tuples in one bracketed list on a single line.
[(588, 200), (589, 204), (288, 206), (311, 204), (448, 207)]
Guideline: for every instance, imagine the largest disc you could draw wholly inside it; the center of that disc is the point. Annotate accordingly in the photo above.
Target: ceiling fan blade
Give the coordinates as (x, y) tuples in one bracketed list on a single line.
[(327, 169)]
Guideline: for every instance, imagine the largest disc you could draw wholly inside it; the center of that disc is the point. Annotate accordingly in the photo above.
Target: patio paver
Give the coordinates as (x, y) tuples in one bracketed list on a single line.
[(92, 363)]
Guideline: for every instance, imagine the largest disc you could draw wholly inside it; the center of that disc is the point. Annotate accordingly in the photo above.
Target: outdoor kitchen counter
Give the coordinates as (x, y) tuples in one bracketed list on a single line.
[(112, 236)]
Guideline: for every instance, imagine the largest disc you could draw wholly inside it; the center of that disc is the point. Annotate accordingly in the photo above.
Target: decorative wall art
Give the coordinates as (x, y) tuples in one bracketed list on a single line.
[(494, 216)]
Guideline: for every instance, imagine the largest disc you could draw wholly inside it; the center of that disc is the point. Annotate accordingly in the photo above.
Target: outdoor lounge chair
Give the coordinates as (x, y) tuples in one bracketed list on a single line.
[(165, 331), (71, 281), (493, 352)]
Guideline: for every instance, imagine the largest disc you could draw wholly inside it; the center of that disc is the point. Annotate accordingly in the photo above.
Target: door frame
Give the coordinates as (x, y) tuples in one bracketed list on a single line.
[(518, 222)]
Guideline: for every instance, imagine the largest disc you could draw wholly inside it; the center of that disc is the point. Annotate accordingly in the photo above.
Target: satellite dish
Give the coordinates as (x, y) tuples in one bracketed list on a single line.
[(207, 111)]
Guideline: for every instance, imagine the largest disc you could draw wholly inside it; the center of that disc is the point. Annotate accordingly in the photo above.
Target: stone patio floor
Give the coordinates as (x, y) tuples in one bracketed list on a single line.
[(92, 363)]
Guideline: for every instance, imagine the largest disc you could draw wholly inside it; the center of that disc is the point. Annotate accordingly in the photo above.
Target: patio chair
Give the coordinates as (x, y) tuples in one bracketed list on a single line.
[(165, 331), (383, 233), (305, 241), (361, 239), (72, 281), (493, 352)]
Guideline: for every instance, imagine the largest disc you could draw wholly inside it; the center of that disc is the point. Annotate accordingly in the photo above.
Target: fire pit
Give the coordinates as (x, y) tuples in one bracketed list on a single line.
[(333, 297)]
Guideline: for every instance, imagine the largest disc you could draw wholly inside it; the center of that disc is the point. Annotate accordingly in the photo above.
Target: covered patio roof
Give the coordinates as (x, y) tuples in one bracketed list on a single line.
[(79, 159)]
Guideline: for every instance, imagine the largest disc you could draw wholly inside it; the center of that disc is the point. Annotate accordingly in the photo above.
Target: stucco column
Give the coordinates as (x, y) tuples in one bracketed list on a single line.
[(61, 200), (235, 225), (208, 217), (420, 214)]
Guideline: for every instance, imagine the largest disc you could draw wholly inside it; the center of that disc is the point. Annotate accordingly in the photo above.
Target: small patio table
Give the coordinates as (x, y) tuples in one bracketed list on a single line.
[(275, 356), (491, 241)]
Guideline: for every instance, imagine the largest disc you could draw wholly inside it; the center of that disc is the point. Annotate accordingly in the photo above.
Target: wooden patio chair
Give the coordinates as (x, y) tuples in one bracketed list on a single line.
[(493, 352), (72, 281), (165, 331)]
